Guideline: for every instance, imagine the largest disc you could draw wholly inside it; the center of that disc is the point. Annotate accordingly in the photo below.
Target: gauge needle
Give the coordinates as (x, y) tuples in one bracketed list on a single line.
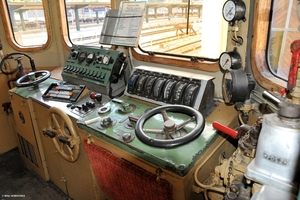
[(230, 10)]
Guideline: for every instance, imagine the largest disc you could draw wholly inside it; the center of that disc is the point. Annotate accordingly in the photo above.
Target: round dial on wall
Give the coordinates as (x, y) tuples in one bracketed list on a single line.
[(230, 60), (235, 86), (234, 10)]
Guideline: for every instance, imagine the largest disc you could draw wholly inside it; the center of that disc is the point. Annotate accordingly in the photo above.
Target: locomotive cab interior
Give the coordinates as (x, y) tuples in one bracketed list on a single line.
[(143, 108)]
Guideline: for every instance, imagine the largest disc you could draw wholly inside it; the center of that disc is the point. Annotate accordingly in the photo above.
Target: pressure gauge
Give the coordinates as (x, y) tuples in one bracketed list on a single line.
[(234, 10), (235, 86), (230, 60)]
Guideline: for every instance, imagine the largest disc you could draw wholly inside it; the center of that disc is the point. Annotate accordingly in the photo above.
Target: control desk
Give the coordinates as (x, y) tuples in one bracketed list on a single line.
[(154, 127)]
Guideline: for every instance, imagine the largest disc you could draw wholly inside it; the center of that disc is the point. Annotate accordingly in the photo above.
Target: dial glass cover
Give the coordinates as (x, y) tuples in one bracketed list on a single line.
[(229, 10), (227, 87), (225, 61), (235, 86)]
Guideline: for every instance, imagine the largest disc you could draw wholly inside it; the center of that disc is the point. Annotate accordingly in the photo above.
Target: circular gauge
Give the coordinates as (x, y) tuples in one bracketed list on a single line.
[(234, 10), (90, 58), (82, 56), (234, 86), (106, 59), (230, 60)]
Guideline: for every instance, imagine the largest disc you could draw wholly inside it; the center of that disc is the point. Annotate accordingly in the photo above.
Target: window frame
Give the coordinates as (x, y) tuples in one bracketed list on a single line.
[(10, 34), (259, 46)]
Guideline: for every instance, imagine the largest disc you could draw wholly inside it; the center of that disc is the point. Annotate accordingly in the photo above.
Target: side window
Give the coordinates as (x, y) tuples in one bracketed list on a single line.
[(85, 20), (284, 29), (28, 22)]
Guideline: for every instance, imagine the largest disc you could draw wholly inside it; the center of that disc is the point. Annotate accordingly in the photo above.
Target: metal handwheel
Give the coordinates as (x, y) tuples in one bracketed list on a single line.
[(172, 134), (63, 134), (33, 78)]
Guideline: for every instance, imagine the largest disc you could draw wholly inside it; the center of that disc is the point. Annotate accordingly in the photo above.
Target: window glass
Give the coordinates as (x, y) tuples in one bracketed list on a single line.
[(28, 22), (85, 20), (179, 27), (283, 31), (192, 28)]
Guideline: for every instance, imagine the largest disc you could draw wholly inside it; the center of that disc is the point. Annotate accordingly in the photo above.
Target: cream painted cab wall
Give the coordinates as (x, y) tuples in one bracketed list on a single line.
[(8, 138)]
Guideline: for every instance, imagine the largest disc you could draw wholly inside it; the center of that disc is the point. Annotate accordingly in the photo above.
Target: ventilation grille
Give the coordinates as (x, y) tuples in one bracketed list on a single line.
[(27, 150)]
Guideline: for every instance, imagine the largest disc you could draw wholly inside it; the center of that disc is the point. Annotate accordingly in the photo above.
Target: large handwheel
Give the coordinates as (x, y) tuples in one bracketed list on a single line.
[(173, 134), (33, 78), (63, 134)]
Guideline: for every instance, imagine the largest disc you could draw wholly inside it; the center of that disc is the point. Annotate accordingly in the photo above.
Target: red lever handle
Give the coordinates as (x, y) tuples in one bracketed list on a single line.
[(225, 129), (295, 49)]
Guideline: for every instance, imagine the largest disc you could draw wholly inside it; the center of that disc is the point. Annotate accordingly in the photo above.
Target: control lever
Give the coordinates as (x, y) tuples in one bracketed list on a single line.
[(270, 97), (225, 129), (295, 49)]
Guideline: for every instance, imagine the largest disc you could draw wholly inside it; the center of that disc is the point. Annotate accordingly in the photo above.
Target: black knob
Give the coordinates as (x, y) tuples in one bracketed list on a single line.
[(98, 97)]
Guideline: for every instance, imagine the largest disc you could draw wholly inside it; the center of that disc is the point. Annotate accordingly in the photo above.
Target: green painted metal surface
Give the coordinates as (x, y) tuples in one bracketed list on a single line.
[(178, 160)]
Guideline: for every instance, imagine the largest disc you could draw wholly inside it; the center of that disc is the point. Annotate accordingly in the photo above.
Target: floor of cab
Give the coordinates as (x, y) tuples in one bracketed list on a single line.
[(19, 182)]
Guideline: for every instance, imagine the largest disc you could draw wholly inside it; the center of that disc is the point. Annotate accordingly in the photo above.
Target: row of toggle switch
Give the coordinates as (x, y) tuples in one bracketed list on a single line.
[(91, 73)]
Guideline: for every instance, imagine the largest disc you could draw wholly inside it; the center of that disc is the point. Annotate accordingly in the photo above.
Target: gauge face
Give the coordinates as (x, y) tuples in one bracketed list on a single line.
[(229, 10), (227, 87), (82, 56), (90, 58), (106, 60), (235, 86), (230, 60), (225, 61), (234, 10)]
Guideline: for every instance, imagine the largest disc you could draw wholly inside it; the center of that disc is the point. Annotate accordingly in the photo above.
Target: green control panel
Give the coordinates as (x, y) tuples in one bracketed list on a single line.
[(91, 66)]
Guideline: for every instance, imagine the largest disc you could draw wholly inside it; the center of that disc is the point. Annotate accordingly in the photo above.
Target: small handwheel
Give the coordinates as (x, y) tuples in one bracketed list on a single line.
[(65, 137), (173, 134), (33, 78)]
